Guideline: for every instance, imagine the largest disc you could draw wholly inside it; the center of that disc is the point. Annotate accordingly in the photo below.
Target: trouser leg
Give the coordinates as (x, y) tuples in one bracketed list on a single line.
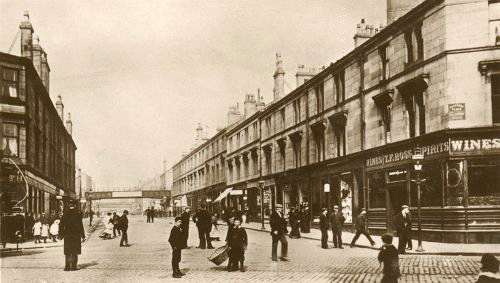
[(372, 242), (358, 233), (334, 234), (176, 258), (324, 239), (67, 264), (339, 237), (275, 248), (408, 240), (209, 240), (201, 235), (284, 246)]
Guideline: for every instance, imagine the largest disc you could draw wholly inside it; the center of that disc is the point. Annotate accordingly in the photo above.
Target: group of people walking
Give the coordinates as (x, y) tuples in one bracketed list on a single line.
[(43, 228), (114, 225)]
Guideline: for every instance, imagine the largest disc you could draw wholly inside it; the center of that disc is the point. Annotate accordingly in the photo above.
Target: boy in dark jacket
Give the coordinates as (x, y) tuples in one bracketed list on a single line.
[(123, 222), (389, 256), (489, 269), (237, 241), (176, 241)]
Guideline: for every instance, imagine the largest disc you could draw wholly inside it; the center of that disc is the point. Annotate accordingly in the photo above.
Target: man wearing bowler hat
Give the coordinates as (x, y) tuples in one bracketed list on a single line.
[(278, 231), (71, 229), (403, 226)]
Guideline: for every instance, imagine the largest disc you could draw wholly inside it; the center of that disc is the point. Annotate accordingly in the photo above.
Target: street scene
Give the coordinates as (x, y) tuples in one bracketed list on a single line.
[(250, 141)]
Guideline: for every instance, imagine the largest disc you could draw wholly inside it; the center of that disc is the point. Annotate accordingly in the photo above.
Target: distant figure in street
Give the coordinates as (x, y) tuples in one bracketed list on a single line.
[(176, 241), (214, 233), (45, 231), (337, 221), (306, 218), (116, 220), (489, 269), (37, 230), (91, 217), (54, 230), (71, 229), (148, 215), (238, 242), (389, 256), (403, 226), (247, 215), (324, 226), (278, 231), (294, 218), (185, 225), (204, 224), (152, 215), (124, 227), (362, 228), (230, 226), (30, 221)]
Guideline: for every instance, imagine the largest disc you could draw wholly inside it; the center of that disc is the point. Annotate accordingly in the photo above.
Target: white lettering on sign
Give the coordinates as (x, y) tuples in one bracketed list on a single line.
[(475, 145)]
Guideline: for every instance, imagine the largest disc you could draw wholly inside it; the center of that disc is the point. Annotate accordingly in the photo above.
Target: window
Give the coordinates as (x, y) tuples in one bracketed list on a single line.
[(230, 143), (484, 182), (282, 151), (416, 114), (420, 42), (246, 135), (238, 140), (376, 189), (10, 82), (340, 87), (431, 191), (255, 131), (340, 140), (495, 98), (267, 152), (296, 111), (10, 140), (384, 62), (296, 152), (319, 92), (409, 46), (268, 126), (282, 116), (255, 163), (246, 166), (238, 168)]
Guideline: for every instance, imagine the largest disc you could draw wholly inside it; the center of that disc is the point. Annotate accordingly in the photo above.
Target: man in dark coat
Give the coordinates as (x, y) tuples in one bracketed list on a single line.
[(124, 227), (306, 218), (294, 219), (324, 225), (403, 226), (337, 220), (152, 215), (176, 241), (116, 224), (203, 221), (362, 228), (185, 225), (71, 229), (148, 215), (278, 231), (238, 242)]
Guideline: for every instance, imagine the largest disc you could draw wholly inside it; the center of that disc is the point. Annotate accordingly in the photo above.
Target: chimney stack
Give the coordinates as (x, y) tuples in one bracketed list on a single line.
[(69, 125), (397, 8), (233, 115), (260, 101), (364, 32), (37, 55), (199, 134), (45, 71), (26, 36), (250, 105), (60, 107), (303, 74), (279, 79)]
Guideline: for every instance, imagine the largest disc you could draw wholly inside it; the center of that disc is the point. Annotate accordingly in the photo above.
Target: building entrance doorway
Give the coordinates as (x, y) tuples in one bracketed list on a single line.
[(397, 196)]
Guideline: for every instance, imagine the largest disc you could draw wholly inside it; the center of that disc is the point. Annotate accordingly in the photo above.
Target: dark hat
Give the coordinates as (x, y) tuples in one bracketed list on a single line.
[(178, 218), (387, 238), (490, 263)]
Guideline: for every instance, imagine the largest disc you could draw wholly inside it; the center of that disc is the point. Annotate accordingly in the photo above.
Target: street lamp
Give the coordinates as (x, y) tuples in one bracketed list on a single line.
[(209, 200), (261, 187), (326, 189), (418, 168)]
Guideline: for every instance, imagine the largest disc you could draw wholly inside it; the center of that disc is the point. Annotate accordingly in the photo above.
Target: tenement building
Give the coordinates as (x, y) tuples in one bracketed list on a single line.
[(38, 151), (426, 84)]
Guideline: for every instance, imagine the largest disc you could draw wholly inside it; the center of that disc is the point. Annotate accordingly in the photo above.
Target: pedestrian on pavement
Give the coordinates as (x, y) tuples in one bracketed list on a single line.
[(214, 233), (37, 230), (324, 225), (247, 215), (294, 218), (306, 218), (45, 231), (362, 228), (116, 220), (403, 226), (176, 241), (71, 229), (91, 217), (278, 231), (124, 227), (148, 215), (185, 225), (337, 221), (237, 242), (54, 230), (489, 269), (30, 221), (204, 224), (389, 256), (152, 216)]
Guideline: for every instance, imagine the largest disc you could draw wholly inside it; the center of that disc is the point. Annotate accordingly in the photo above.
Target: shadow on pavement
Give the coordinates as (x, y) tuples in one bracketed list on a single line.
[(86, 265), (18, 253)]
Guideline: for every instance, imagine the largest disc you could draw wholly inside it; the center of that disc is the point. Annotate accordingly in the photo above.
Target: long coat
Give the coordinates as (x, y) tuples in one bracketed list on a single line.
[(185, 221), (323, 222), (278, 223), (402, 223), (71, 228), (203, 220)]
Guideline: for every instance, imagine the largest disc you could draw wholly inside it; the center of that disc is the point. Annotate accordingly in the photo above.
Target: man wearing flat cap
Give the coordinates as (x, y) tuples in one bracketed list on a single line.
[(403, 226), (324, 225), (278, 231)]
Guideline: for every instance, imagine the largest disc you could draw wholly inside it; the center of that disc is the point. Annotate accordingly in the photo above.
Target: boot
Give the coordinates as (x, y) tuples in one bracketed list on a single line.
[(67, 266), (242, 267), (75, 262)]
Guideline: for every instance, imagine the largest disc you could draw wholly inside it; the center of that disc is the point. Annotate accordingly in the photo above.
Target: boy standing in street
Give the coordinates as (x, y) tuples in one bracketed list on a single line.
[(389, 256), (176, 241), (237, 241)]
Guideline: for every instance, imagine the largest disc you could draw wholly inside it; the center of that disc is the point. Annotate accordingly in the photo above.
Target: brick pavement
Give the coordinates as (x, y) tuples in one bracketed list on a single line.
[(148, 260)]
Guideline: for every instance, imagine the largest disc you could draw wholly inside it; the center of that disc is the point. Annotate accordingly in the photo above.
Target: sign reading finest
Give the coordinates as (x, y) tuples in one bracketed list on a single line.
[(456, 111)]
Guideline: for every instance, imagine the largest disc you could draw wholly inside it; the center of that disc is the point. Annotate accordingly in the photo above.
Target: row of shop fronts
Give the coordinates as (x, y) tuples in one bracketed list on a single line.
[(460, 189)]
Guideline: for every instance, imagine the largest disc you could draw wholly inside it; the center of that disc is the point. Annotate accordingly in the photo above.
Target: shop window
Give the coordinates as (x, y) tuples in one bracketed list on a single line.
[(376, 189), (10, 140), (431, 189), (483, 182), (454, 194), (10, 82), (495, 98), (346, 192)]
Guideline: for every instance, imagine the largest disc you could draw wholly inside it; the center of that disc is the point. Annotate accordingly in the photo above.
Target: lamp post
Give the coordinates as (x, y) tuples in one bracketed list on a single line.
[(418, 168), (326, 189), (209, 200), (261, 187)]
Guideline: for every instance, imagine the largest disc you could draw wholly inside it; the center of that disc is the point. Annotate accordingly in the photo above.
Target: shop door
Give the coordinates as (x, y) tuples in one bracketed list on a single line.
[(398, 196)]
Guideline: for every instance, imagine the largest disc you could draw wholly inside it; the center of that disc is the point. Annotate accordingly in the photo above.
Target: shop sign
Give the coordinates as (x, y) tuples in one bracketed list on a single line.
[(236, 192), (398, 175), (403, 155), (475, 145), (456, 111)]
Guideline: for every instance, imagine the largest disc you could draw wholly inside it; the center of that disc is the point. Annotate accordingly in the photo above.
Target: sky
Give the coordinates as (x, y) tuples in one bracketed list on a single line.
[(138, 76)]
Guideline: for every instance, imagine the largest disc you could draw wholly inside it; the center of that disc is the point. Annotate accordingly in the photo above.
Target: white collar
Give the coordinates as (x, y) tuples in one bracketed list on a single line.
[(489, 274)]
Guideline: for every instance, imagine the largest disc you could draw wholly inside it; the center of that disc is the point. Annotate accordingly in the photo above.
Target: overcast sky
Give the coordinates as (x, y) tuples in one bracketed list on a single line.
[(138, 76)]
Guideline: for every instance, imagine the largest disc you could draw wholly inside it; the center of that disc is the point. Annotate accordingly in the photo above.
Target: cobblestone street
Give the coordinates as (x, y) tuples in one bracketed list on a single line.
[(148, 260)]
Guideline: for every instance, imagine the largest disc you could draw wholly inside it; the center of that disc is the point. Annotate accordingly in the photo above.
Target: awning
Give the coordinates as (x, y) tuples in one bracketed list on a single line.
[(223, 195)]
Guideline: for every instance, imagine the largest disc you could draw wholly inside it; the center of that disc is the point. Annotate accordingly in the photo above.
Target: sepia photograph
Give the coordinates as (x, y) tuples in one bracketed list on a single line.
[(250, 141)]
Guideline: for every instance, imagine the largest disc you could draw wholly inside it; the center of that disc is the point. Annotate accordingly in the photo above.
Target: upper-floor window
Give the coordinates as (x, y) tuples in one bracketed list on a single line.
[(384, 62), (296, 111), (238, 140), (255, 131), (246, 135), (495, 98), (268, 126), (409, 46), (10, 82), (340, 87), (413, 38), (420, 42), (282, 118), (319, 92), (10, 140)]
